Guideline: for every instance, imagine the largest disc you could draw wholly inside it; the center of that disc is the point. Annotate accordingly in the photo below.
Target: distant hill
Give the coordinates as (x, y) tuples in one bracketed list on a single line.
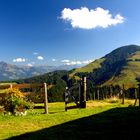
[(121, 66), (12, 72)]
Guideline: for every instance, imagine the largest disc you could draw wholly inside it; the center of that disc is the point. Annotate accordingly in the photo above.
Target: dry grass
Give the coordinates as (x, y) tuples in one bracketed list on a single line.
[(97, 103)]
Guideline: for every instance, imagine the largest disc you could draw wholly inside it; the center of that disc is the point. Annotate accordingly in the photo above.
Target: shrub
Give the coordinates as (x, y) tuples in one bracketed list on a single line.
[(15, 101)]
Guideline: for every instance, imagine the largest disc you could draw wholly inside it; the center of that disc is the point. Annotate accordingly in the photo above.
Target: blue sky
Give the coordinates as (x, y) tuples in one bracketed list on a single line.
[(56, 32)]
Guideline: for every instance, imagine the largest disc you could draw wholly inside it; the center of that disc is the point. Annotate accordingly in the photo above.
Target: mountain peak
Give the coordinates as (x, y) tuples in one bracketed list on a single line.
[(120, 66)]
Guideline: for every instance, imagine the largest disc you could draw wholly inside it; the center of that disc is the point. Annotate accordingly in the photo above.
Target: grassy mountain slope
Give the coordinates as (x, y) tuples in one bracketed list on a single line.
[(88, 68), (128, 73), (121, 66)]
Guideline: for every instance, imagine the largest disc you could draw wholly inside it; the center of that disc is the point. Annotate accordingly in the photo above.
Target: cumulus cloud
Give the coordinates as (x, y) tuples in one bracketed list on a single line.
[(65, 61), (87, 61), (54, 60), (68, 62), (29, 65), (40, 58), (19, 60), (90, 18)]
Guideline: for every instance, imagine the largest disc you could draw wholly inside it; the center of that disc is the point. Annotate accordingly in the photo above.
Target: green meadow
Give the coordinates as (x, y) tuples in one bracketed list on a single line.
[(73, 124)]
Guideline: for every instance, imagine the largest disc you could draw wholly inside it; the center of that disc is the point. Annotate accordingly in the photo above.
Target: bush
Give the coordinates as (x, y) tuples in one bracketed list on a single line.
[(15, 101)]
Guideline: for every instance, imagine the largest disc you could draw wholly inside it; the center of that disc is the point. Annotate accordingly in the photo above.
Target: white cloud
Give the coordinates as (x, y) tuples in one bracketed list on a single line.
[(54, 60), (29, 64), (65, 61), (19, 60), (90, 19), (87, 61), (40, 58), (68, 62)]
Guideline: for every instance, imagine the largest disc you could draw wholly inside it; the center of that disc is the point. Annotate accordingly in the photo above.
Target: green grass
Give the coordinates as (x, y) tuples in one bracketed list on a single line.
[(35, 120), (127, 76)]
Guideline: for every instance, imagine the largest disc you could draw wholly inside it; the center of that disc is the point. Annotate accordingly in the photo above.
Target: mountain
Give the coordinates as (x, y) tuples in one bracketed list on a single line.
[(121, 66), (10, 72)]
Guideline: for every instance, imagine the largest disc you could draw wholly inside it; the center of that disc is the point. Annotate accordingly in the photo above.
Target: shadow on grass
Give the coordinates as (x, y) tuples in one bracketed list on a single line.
[(117, 123), (39, 107)]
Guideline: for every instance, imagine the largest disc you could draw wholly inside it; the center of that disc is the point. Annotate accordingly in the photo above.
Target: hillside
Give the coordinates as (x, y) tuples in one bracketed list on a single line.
[(88, 68), (121, 66)]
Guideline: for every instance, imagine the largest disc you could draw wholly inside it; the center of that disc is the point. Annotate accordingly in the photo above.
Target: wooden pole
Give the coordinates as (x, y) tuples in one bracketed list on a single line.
[(136, 97), (85, 90), (103, 91), (66, 99), (111, 92), (123, 95), (11, 86), (79, 90), (94, 93), (136, 93), (46, 99), (83, 93), (98, 94), (139, 94)]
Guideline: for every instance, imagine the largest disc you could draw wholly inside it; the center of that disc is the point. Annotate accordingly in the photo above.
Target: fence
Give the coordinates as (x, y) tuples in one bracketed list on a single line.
[(85, 91), (97, 92), (80, 98)]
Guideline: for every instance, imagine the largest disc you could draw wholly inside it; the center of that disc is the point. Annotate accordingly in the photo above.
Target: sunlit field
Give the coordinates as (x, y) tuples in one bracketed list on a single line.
[(36, 119)]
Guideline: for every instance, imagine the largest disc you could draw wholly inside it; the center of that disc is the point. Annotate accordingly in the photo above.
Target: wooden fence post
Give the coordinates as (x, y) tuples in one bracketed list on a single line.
[(11, 86), (46, 99), (123, 95), (102, 93), (85, 90), (83, 93), (136, 93), (94, 97), (111, 91), (136, 97), (79, 90), (66, 99), (139, 93), (98, 93)]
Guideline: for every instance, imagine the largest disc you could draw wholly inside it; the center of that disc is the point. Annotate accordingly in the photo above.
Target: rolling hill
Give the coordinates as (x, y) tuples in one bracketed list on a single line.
[(121, 66)]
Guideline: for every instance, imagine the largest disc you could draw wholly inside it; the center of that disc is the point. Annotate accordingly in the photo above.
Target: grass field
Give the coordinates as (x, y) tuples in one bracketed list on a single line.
[(98, 119)]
